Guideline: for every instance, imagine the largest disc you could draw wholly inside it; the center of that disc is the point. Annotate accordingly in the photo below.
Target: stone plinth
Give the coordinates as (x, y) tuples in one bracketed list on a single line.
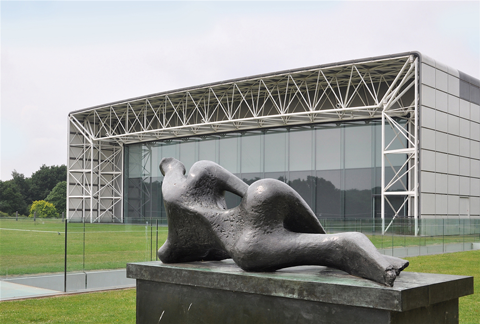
[(220, 292)]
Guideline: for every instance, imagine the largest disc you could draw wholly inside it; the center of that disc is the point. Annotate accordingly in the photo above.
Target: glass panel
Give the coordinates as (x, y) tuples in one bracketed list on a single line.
[(229, 153), (188, 154), (398, 142), (169, 150), (156, 159), (303, 182), (318, 177), (358, 146), (301, 147), (281, 176), (251, 152), (358, 193), (276, 150), (207, 150), (134, 165), (250, 178), (329, 194), (329, 147)]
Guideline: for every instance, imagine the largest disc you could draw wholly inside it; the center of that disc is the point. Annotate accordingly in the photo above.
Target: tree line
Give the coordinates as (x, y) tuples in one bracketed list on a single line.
[(48, 184)]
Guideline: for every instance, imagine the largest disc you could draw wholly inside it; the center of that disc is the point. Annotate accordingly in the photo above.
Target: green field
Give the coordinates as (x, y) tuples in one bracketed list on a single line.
[(28, 247), (460, 263), (119, 306)]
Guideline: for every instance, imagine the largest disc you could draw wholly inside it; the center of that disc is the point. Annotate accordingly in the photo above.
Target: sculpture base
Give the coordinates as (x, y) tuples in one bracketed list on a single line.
[(220, 292)]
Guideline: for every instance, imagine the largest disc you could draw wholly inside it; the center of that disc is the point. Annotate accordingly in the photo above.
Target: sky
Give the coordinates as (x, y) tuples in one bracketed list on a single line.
[(62, 56)]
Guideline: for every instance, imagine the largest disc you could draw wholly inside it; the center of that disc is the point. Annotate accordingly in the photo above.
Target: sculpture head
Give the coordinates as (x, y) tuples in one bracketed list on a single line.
[(171, 164)]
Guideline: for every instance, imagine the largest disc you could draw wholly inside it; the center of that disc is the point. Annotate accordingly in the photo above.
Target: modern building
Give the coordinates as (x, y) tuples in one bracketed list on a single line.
[(378, 138)]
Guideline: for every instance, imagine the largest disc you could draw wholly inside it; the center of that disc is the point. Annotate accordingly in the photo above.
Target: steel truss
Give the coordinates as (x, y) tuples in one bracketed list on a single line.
[(384, 88)]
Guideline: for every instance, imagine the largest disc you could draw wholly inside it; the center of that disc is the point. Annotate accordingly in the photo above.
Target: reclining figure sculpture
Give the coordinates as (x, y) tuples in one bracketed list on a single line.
[(272, 227)]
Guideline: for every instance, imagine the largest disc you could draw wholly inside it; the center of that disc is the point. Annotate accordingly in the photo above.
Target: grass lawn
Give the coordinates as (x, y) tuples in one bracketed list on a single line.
[(119, 306), (28, 247), (460, 263)]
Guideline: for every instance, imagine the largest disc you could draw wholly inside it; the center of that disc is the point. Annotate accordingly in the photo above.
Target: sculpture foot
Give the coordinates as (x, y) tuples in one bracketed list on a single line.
[(398, 264), (389, 277)]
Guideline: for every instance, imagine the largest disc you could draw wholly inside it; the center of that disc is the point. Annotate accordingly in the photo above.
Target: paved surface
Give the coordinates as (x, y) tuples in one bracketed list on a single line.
[(9, 290), (53, 284)]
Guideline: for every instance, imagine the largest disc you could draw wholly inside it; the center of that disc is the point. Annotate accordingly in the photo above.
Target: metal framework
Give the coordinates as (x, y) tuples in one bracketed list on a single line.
[(378, 88)]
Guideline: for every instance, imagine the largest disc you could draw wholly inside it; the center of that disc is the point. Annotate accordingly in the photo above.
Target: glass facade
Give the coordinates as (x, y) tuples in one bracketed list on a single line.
[(335, 167)]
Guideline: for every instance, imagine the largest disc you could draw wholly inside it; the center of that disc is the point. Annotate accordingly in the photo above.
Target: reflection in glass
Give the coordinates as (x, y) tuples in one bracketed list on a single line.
[(251, 153), (188, 154), (207, 150), (301, 148), (335, 168), (358, 146), (250, 178), (276, 150), (358, 193), (303, 182), (329, 194), (229, 154), (280, 176), (329, 148)]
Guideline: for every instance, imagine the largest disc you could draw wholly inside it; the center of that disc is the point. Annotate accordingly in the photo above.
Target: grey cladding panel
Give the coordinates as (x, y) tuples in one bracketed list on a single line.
[(428, 96), (428, 182), (475, 94), (427, 160), (441, 142), (441, 162), (453, 85), (441, 123), (453, 105), (441, 205), (453, 184), (453, 144), (475, 113), (469, 88), (441, 100), (464, 90), (428, 75), (453, 164), (469, 79), (453, 125), (428, 117), (441, 183), (453, 205), (441, 80)]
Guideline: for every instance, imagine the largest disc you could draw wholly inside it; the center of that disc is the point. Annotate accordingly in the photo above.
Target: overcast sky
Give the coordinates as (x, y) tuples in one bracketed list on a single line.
[(58, 57)]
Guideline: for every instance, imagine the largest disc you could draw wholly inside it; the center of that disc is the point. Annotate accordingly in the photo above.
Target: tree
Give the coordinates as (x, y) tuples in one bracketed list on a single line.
[(11, 199), (58, 197), (43, 208), (22, 184), (44, 180)]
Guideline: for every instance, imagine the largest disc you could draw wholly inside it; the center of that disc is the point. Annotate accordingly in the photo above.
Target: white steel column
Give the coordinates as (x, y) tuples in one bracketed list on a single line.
[(95, 188), (408, 133)]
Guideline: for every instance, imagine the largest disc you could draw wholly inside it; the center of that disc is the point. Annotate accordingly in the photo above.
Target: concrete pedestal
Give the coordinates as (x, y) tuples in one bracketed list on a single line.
[(220, 292)]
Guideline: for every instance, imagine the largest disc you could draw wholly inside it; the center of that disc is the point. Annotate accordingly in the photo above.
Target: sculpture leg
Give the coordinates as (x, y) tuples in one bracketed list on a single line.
[(350, 252)]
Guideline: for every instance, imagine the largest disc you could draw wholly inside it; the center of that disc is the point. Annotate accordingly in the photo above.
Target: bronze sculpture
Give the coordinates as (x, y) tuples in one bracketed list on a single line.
[(272, 228)]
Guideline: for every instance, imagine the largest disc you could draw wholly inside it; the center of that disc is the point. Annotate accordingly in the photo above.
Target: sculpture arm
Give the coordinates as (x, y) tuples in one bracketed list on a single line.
[(223, 179), (233, 183)]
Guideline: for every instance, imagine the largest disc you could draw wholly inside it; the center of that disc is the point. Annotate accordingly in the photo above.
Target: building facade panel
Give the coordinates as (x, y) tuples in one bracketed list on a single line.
[(453, 134)]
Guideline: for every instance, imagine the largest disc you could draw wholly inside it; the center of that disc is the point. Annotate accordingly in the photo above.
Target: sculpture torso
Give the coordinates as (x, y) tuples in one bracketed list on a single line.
[(200, 225)]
